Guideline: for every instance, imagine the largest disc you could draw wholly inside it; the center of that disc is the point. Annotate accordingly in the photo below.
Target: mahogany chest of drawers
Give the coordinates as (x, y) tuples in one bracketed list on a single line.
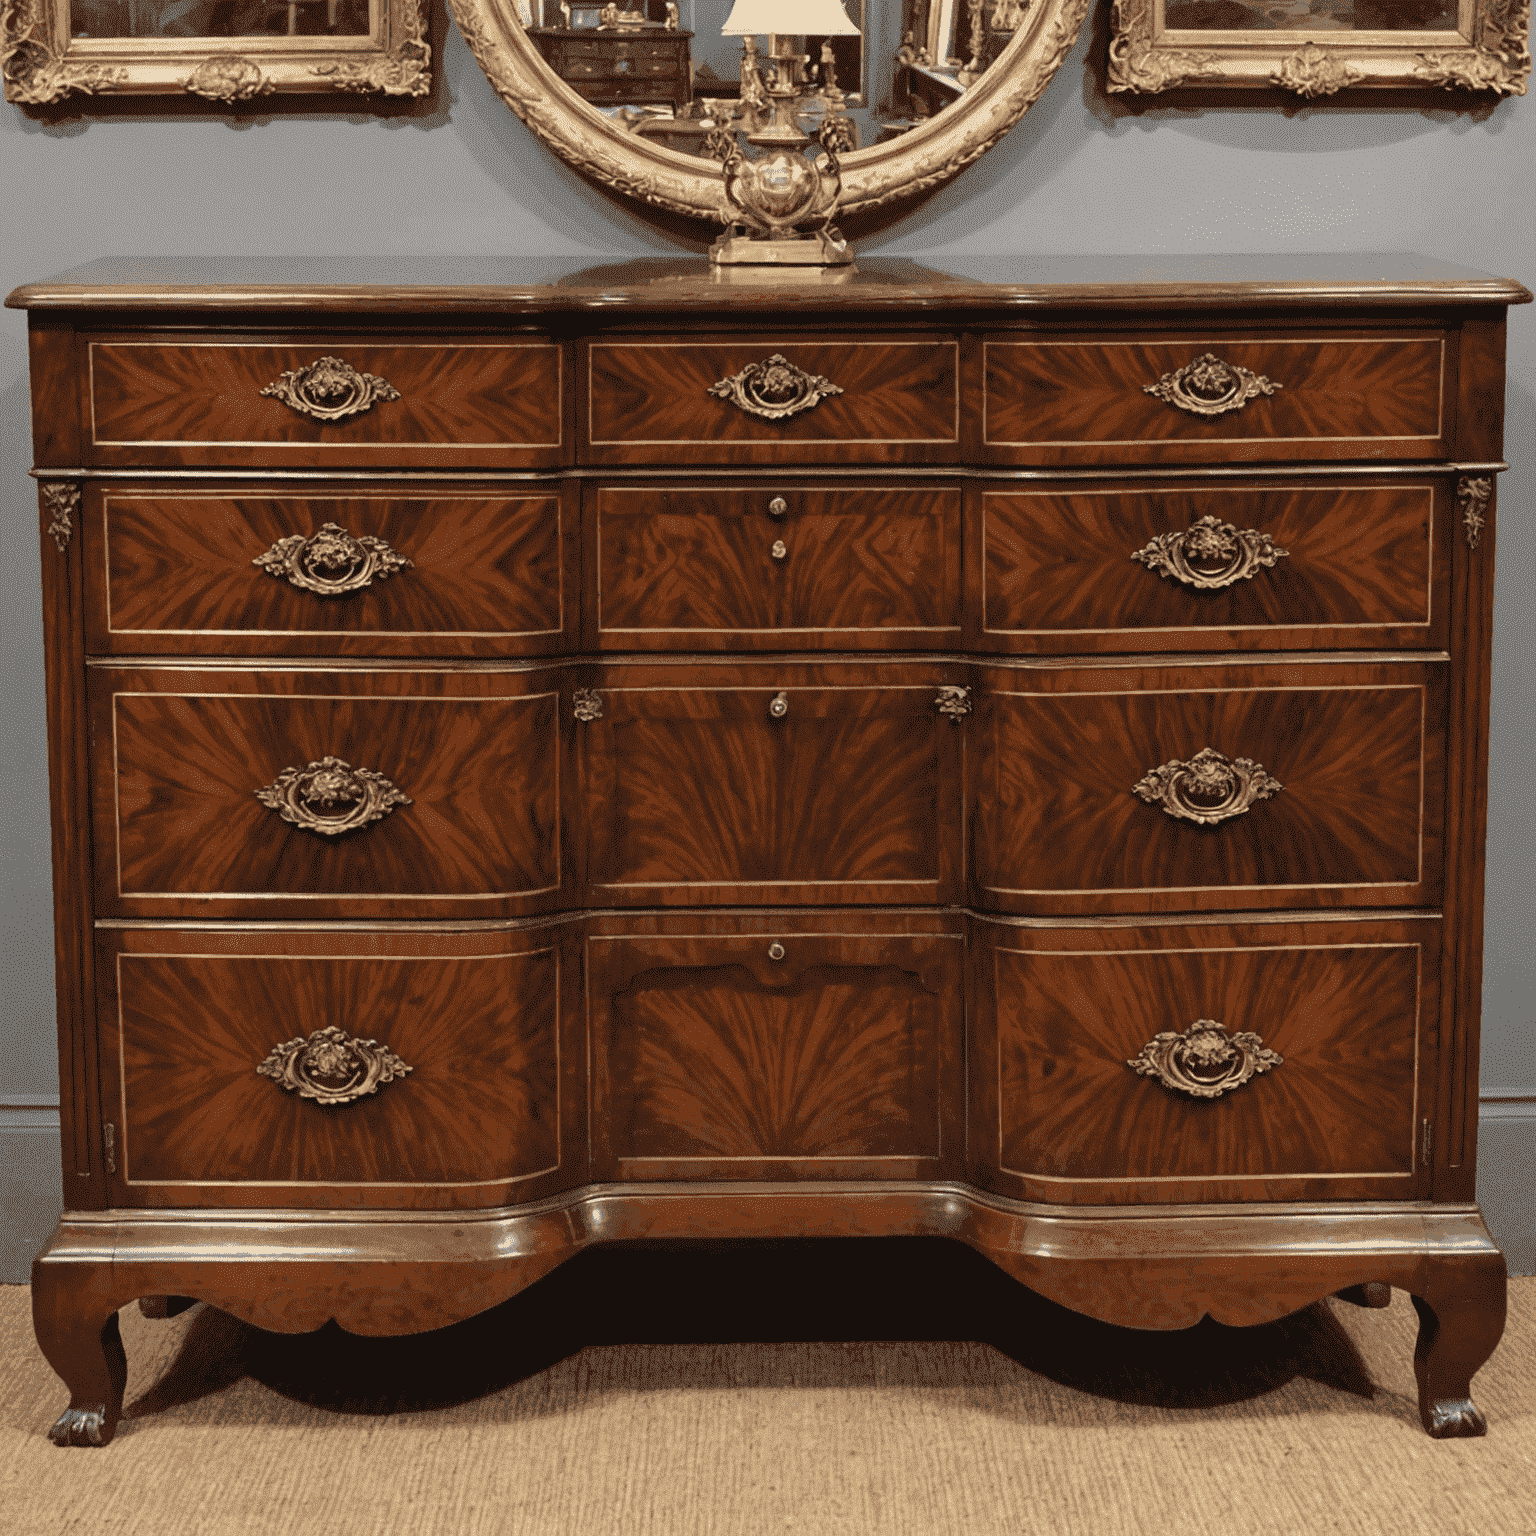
[(615, 69), (611, 755)]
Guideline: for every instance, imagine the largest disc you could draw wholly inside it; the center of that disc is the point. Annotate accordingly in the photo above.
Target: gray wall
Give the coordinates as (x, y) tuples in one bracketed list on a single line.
[(460, 174)]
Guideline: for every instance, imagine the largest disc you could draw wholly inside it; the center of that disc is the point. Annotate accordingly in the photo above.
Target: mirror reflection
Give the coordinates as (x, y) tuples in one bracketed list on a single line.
[(218, 18), (673, 71)]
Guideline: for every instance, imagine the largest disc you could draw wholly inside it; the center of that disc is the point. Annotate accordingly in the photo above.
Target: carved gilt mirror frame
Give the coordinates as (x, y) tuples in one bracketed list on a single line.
[(153, 47), (911, 163), (1469, 45)]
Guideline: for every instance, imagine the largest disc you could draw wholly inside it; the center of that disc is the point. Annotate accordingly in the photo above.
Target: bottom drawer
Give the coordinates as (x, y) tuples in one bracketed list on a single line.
[(336, 1069), (1192, 1061), (786, 1046)]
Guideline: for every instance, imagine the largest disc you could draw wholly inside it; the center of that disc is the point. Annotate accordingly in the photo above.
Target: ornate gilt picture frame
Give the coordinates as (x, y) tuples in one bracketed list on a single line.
[(224, 51), (1318, 47)]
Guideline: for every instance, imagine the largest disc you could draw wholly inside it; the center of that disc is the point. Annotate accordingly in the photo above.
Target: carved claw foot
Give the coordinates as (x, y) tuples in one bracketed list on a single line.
[(1461, 1316), (82, 1426), (1455, 1418)]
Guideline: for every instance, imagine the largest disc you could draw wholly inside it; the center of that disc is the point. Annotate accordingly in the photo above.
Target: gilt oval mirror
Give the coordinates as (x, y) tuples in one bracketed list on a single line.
[(639, 97)]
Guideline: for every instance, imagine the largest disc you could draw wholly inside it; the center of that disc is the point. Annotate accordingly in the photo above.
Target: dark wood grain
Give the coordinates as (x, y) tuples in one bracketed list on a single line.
[(198, 401), (173, 570), (1367, 565), (51, 352), (1057, 755), (695, 794), (692, 566), (714, 1059), (477, 1020), (648, 402), (180, 755), (1051, 400), (1349, 1008)]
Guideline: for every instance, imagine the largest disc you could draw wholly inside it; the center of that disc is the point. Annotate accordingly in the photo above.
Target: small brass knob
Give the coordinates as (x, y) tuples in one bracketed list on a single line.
[(779, 706), (778, 507), (775, 951), (780, 550)]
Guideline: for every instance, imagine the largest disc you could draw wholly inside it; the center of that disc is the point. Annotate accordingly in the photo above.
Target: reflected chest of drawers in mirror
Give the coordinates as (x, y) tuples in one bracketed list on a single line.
[(995, 754)]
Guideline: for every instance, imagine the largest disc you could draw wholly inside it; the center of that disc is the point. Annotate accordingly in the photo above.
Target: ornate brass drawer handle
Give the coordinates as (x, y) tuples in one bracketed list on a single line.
[(331, 797), (331, 1066), (954, 702), (330, 389), (587, 704), (1208, 788), (1210, 386), (1210, 554), (1205, 1061), (331, 561), (774, 388)]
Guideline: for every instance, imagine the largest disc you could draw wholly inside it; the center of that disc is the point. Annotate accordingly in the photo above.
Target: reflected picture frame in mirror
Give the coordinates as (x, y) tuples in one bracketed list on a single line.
[(222, 51), (624, 152), (1317, 48)]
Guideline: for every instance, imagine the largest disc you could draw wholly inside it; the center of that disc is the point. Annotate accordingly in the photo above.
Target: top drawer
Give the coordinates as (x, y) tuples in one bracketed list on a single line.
[(1203, 398), (772, 400), (323, 402)]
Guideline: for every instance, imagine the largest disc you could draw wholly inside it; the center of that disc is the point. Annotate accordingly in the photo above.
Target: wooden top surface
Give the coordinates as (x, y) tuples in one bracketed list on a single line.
[(527, 285)]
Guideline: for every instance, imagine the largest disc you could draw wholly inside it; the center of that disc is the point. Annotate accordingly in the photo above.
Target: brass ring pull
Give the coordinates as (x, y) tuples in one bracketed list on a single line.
[(779, 550), (775, 951), (330, 390), (1205, 1061), (778, 507), (773, 389), (331, 1066), (331, 561), (1210, 386), (331, 797), (1207, 789), (1210, 554), (779, 707)]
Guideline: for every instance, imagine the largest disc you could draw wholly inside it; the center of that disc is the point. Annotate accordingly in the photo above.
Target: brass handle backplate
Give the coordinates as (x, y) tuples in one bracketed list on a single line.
[(331, 1066), (331, 561), (1210, 386), (1210, 554), (954, 701), (778, 507), (774, 388), (1207, 789), (1205, 1061), (330, 389), (587, 704), (331, 797)]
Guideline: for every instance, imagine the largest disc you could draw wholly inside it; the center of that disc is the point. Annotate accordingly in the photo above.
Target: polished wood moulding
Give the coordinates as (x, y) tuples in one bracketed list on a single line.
[(546, 754)]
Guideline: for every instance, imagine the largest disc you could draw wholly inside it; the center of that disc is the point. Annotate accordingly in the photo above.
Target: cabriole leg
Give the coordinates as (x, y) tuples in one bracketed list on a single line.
[(76, 1326), (1461, 1317)]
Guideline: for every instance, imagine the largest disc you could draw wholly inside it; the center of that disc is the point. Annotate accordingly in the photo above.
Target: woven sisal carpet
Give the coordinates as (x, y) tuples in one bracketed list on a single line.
[(617, 1397)]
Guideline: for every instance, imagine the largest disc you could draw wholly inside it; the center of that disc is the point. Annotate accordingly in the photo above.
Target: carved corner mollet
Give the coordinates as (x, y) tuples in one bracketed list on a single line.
[(403, 69), (1135, 64), (1499, 59), (32, 57), (61, 500), (1312, 72), (1473, 496)]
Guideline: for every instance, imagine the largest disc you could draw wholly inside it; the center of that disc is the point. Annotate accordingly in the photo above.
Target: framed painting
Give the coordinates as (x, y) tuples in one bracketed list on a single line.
[(222, 50), (1318, 47)]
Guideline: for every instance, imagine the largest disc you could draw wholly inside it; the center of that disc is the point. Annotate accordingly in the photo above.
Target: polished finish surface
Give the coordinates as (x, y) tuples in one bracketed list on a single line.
[(571, 803)]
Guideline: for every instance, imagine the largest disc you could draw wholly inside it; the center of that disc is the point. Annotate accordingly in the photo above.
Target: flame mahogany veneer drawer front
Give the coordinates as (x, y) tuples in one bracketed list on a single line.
[(450, 1078), (778, 563), (818, 400), (779, 782), (1166, 788), (807, 1046), (1309, 565), (326, 402), (285, 793), (238, 570), (1070, 1104), (1049, 400)]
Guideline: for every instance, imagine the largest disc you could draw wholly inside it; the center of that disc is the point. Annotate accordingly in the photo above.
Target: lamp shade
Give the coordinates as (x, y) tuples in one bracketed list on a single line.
[(788, 18)]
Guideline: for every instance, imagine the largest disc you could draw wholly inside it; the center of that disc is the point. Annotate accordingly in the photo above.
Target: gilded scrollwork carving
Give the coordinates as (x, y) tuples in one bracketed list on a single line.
[(61, 500), (1473, 494), (1205, 1061), (331, 797), (332, 1067), (1208, 789), (229, 77), (1312, 72), (1211, 386), (1210, 554), (331, 561), (1498, 61), (774, 389), (330, 389), (1136, 65), (587, 704), (33, 60)]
